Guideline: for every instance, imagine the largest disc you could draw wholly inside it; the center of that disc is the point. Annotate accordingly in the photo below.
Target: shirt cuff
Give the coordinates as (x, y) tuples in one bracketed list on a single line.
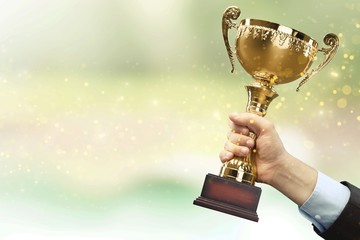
[(326, 202)]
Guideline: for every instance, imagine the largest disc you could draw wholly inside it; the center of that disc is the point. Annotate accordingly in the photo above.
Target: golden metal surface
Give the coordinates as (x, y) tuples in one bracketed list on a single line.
[(243, 169), (240, 169), (272, 54), (259, 98)]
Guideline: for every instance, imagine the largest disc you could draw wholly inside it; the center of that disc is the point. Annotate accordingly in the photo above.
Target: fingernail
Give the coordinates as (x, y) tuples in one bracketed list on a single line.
[(244, 150), (250, 143)]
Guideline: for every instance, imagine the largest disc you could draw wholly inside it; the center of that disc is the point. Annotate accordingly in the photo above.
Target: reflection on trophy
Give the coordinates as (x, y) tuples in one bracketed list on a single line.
[(272, 54)]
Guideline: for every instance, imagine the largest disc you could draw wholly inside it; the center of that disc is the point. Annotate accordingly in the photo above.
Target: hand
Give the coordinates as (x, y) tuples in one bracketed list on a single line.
[(270, 151), (275, 166)]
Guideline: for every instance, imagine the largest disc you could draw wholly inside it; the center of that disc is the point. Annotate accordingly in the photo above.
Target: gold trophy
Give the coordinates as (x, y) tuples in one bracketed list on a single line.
[(272, 54)]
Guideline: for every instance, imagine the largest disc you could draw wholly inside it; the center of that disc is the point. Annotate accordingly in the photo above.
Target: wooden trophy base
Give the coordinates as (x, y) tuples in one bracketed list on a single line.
[(229, 196)]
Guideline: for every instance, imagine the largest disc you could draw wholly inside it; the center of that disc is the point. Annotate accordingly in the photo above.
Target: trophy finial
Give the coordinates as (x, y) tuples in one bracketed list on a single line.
[(231, 13)]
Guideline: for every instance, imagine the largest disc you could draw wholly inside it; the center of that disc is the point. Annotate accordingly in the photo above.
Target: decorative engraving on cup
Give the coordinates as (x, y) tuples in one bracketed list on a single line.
[(256, 33), (265, 33), (282, 38), (278, 39)]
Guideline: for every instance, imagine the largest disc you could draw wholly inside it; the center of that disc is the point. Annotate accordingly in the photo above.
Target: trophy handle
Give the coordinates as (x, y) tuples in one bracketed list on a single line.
[(231, 13), (331, 40)]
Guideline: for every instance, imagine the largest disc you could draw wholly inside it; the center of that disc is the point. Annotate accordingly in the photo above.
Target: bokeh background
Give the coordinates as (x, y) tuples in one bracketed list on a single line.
[(112, 113)]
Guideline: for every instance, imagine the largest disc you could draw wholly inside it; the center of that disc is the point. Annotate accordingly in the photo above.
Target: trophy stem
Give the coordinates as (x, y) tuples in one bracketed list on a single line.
[(243, 169), (259, 98)]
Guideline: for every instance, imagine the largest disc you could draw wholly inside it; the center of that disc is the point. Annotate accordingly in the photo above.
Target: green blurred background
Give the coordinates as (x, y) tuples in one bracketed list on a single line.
[(113, 112)]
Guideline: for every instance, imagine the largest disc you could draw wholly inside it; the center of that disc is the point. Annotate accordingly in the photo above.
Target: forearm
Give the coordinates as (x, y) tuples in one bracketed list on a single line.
[(294, 179)]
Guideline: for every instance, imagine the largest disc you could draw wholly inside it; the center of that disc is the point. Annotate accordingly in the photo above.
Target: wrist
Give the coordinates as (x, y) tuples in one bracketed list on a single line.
[(281, 169), (272, 171), (295, 179)]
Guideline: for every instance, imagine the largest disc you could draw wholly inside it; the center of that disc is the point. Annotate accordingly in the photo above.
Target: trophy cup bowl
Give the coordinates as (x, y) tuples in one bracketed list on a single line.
[(272, 54)]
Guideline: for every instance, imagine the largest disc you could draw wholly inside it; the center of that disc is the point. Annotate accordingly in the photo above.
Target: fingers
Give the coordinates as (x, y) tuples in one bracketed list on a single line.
[(252, 122), (241, 151), (239, 144), (238, 128), (240, 139), (226, 156)]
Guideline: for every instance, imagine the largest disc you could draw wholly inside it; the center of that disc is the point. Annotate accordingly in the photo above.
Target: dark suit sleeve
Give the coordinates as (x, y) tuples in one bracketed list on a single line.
[(347, 226)]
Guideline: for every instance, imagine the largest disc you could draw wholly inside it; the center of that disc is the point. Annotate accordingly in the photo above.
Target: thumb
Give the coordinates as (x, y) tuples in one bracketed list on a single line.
[(253, 122)]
